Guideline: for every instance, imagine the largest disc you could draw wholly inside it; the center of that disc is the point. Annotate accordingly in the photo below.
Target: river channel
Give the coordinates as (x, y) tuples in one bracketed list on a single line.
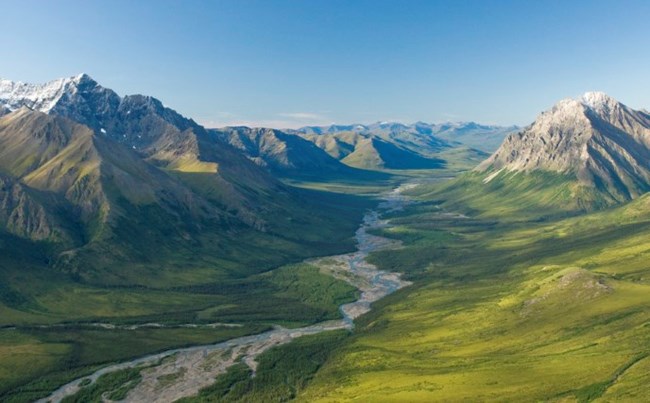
[(186, 371)]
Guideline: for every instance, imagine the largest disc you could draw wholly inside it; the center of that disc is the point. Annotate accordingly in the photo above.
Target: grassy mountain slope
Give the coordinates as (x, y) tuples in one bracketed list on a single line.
[(504, 310), (93, 232), (515, 195), (286, 155), (367, 151)]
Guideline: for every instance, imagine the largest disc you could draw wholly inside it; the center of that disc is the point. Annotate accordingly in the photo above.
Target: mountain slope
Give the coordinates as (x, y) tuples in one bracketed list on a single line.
[(282, 153), (367, 151), (598, 143), (111, 182), (496, 303), (391, 145), (89, 185), (376, 153), (158, 134)]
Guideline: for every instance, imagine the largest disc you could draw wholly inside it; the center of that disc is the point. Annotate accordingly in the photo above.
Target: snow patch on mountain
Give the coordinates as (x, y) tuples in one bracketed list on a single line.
[(40, 97)]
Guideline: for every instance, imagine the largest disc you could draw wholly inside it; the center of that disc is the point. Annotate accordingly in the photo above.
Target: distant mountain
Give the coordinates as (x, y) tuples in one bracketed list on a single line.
[(485, 138), (369, 151), (377, 147), (393, 145), (282, 153), (596, 141)]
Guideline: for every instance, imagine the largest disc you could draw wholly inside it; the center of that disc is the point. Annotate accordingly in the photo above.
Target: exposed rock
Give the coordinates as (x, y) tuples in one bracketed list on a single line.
[(595, 139)]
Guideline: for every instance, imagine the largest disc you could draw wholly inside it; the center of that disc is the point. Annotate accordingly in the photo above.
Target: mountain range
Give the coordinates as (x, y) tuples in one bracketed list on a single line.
[(88, 170), (344, 150), (392, 145), (119, 212), (282, 153), (102, 178), (486, 138)]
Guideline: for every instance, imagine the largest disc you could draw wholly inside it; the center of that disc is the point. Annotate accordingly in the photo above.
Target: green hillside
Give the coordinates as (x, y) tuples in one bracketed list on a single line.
[(98, 242), (506, 307)]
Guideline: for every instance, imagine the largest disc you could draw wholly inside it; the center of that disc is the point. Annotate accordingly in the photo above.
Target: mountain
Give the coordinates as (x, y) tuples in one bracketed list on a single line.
[(368, 150), (596, 141), (435, 136), (158, 134), (89, 177), (486, 138), (393, 145), (104, 180), (282, 153)]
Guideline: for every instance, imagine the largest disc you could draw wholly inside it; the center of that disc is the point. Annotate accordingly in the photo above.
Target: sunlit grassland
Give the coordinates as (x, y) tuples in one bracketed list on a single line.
[(515, 303), (512, 196)]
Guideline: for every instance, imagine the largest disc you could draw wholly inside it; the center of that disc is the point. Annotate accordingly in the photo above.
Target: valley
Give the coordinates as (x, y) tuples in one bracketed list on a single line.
[(196, 368), (324, 201), (529, 284), (496, 304), (147, 258)]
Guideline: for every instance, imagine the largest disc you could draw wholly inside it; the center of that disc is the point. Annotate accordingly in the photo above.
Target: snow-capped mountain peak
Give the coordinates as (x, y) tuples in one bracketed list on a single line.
[(598, 100), (40, 97)]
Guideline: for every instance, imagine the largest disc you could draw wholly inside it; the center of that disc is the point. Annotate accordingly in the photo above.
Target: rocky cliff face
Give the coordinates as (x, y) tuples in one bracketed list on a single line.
[(594, 139)]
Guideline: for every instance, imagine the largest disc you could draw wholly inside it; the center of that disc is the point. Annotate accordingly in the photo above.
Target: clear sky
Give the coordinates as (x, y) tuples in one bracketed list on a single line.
[(290, 63)]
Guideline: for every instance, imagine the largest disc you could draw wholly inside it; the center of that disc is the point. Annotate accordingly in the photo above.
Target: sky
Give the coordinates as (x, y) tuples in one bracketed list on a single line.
[(290, 63)]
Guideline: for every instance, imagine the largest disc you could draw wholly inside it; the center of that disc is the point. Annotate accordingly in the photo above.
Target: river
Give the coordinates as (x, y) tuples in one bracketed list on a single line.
[(188, 370)]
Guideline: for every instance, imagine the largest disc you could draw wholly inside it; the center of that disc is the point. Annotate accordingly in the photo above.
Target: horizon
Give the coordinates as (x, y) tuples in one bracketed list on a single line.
[(289, 64), (580, 98)]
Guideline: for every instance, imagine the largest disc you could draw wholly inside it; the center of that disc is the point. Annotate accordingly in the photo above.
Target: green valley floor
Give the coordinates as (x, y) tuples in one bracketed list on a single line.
[(510, 307), (510, 302)]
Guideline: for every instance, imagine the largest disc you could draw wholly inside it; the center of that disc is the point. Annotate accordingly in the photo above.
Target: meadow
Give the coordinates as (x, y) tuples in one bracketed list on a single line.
[(509, 303)]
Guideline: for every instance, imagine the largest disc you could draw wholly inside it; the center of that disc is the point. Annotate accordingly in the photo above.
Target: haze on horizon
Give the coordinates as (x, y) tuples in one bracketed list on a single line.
[(290, 63)]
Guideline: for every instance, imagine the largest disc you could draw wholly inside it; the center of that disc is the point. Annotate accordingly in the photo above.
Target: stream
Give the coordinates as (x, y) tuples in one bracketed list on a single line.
[(177, 373)]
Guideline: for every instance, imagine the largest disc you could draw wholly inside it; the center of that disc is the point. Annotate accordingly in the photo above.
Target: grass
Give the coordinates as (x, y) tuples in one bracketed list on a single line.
[(515, 196), (516, 303)]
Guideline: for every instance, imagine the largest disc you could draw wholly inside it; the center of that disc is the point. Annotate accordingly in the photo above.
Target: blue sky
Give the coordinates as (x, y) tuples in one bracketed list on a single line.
[(291, 63)]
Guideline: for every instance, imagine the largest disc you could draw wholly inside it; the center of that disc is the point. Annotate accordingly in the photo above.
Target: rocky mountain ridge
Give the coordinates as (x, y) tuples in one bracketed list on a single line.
[(594, 139), (103, 179)]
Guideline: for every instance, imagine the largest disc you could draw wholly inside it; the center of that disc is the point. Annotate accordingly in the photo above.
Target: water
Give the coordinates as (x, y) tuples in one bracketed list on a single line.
[(195, 368)]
